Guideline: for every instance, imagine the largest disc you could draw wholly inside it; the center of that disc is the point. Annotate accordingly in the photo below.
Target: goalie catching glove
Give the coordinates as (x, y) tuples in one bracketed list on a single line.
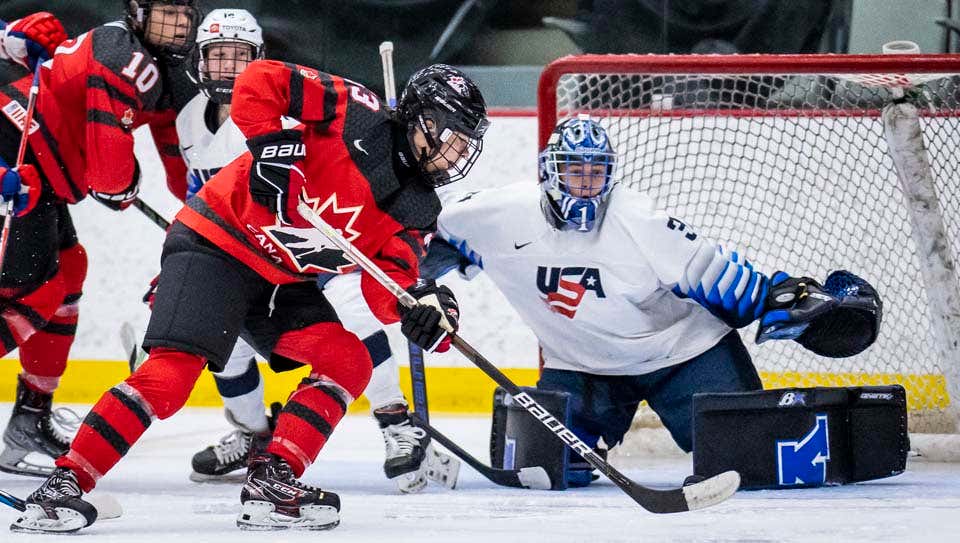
[(838, 319), (436, 315)]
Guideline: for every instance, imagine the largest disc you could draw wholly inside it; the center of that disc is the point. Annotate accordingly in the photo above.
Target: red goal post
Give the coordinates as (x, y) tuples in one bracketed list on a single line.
[(806, 163)]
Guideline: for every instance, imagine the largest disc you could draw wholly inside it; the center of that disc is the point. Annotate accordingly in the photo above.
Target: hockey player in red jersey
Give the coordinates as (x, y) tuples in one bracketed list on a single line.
[(94, 90), (239, 260)]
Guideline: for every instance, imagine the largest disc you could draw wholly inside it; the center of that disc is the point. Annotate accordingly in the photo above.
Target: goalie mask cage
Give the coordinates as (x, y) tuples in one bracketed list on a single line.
[(805, 163)]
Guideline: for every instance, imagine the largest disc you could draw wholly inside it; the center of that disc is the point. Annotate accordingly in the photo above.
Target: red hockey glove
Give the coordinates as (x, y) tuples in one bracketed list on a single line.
[(429, 322), (121, 200), (31, 39), (277, 172), (22, 186)]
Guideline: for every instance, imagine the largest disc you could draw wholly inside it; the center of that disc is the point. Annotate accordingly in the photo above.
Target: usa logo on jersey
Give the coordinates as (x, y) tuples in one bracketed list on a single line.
[(564, 288)]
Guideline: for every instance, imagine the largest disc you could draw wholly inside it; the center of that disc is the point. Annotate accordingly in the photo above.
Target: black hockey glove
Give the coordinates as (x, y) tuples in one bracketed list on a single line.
[(792, 303), (277, 171), (122, 200), (427, 324)]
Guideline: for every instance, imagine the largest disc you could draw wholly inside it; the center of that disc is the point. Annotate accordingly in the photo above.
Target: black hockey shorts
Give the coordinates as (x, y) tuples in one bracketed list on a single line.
[(36, 240), (206, 298), (604, 405)]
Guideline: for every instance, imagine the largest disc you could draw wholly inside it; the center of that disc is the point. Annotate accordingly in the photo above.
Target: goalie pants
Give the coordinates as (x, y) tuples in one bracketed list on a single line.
[(43, 272), (604, 405), (205, 298)]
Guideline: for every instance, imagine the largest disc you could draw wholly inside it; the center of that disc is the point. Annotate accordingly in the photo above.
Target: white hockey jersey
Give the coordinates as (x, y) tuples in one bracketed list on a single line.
[(206, 151), (599, 302)]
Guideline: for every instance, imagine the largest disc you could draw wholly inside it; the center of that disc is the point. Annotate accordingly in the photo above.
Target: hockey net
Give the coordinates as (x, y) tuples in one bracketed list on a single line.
[(793, 161)]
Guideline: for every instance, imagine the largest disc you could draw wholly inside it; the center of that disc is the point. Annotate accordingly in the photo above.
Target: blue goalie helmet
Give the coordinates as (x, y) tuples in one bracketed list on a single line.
[(576, 174)]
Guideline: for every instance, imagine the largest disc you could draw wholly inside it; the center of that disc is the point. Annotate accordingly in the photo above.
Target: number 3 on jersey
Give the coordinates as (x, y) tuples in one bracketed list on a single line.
[(365, 97), (674, 224)]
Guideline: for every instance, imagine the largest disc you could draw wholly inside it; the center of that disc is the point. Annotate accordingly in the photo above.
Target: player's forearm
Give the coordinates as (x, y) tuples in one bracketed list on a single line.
[(724, 283), (268, 90)]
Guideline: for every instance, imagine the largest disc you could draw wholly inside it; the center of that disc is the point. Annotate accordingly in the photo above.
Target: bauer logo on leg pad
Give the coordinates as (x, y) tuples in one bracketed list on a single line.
[(804, 462)]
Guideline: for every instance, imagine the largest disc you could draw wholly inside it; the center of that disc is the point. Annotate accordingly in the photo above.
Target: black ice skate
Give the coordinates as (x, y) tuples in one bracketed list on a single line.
[(405, 447), (273, 499), (56, 507), (31, 430), (217, 463)]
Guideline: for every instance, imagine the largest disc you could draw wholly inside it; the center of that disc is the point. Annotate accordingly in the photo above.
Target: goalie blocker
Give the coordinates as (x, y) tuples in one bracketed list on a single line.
[(801, 437)]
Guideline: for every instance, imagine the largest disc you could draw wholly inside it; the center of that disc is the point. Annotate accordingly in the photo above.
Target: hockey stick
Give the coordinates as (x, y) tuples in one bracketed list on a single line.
[(696, 496), (533, 477), (21, 153), (152, 214), (414, 352)]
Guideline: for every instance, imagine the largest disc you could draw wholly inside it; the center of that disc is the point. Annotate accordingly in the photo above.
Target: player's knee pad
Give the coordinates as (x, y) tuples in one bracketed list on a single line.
[(331, 351), (73, 266), (166, 379)]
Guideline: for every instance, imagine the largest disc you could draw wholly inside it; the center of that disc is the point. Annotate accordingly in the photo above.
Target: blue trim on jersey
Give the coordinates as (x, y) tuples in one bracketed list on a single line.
[(736, 311)]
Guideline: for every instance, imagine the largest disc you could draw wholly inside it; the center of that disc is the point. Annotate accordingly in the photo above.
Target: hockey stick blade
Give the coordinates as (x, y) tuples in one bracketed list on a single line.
[(12, 501), (533, 477), (697, 496)]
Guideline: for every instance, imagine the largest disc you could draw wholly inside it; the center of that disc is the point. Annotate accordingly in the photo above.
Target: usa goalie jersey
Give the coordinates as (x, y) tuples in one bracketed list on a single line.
[(621, 300)]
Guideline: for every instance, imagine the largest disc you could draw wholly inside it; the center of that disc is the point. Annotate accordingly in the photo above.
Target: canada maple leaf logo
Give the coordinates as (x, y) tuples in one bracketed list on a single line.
[(308, 248)]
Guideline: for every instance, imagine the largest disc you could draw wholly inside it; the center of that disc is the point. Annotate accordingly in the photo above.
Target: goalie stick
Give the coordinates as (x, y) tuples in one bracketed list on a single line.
[(705, 493)]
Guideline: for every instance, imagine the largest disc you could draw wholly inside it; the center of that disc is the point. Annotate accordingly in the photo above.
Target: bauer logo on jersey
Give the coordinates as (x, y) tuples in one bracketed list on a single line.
[(310, 250), (804, 461), (564, 288)]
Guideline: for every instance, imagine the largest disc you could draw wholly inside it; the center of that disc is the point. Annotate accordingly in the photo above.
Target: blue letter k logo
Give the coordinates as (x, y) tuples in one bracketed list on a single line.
[(804, 462)]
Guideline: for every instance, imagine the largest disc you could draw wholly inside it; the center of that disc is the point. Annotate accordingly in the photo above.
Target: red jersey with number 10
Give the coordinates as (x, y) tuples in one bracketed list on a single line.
[(95, 90), (350, 182)]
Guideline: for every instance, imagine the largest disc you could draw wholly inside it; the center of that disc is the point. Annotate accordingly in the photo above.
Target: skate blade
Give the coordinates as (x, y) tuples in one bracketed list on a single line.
[(260, 515), (14, 460), (441, 468), (411, 483), (233, 478), (35, 520)]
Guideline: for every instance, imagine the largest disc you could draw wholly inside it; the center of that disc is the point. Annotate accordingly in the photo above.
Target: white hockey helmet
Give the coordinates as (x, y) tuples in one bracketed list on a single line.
[(238, 30)]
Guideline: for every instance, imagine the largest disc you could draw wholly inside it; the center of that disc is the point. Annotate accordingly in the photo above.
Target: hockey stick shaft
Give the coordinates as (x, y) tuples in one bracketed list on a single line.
[(12, 501), (703, 494), (418, 378), (535, 477), (21, 154), (152, 214)]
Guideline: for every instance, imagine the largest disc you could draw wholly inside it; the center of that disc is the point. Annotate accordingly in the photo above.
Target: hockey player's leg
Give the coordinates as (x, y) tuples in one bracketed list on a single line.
[(43, 356), (406, 446), (725, 367), (158, 389), (600, 406), (273, 497), (241, 388)]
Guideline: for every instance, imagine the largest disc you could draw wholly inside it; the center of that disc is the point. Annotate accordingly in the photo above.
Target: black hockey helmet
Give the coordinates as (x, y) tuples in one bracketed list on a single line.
[(172, 35), (443, 104)]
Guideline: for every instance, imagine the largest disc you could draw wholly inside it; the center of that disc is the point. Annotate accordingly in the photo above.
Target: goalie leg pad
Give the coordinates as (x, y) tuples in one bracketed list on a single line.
[(802, 437)]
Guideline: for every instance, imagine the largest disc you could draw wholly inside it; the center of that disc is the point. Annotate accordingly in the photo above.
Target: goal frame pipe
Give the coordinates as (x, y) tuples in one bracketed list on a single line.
[(725, 65)]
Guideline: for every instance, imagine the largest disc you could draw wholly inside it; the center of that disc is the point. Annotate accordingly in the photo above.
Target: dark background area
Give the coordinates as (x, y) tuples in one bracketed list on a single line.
[(342, 36)]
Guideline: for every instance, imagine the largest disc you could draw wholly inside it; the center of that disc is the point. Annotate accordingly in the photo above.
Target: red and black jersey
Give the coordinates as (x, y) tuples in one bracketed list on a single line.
[(95, 91), (350, 182)]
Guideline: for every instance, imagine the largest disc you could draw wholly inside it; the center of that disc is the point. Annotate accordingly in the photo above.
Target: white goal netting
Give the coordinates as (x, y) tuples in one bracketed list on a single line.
[(797, 162)]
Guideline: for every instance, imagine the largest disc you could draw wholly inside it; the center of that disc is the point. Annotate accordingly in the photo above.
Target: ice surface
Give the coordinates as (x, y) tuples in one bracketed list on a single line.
[(162, 505)]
